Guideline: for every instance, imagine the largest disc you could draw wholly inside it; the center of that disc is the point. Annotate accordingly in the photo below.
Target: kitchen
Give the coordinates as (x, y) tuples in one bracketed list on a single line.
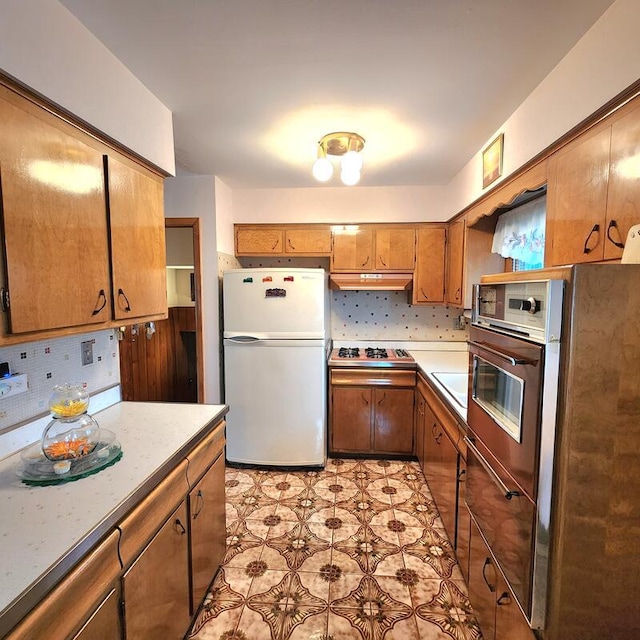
[(191, 195)]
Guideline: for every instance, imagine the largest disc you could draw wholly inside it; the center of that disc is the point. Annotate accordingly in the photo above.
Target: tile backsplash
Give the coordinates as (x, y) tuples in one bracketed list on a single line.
[(54, 361), (373, 315)]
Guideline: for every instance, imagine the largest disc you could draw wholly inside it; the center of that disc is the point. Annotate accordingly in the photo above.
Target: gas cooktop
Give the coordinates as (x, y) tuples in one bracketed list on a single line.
[(371, 357)]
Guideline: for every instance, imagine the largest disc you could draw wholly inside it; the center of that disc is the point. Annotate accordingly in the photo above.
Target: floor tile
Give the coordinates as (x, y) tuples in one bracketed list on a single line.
[(354, 551)]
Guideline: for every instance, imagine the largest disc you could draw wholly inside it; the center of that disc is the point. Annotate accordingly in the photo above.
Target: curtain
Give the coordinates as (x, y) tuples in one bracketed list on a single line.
[(519, 233)]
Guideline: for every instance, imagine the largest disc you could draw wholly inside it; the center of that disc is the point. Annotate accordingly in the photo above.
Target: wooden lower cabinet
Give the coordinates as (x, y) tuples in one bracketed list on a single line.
[(441, 470), (372, 419), (463, 524), (104, 624), (207, 530), (420, 425), (155, 588), (494, 606)]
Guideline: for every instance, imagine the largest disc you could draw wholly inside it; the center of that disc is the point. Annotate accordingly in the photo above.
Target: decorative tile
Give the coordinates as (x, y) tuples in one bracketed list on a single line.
[(353, 551)]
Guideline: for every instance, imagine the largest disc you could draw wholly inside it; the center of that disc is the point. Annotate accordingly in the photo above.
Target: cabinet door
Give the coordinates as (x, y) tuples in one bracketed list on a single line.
[(442, 463), (395, 249), (308, 241), (258, 242), (623, 196), (510, 623), (428, 279), (483, 584), (156, 587), (208, 535), (455, 264), (577, 199), (393, 420), (351, 419), (54, 225), (137, 242), (463, 525), (353, 251), (104, 624), (420, 427)]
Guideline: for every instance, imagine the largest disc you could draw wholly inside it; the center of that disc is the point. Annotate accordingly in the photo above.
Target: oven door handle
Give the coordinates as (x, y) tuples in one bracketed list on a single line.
[(506, 492), (500, 354)]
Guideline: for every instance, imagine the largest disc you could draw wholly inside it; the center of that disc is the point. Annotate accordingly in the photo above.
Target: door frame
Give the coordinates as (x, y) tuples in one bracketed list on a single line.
[(194, 224)]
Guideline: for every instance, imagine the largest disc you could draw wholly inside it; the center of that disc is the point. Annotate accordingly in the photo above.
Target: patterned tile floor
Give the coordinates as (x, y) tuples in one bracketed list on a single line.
[(356, 550)]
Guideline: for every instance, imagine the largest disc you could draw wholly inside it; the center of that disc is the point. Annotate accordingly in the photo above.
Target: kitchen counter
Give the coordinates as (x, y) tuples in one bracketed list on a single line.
[(46, 530), (446, 361)]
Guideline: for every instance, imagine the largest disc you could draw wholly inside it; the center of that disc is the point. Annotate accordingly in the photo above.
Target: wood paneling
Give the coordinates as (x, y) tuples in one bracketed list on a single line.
[(395, 248), (353, 251), (258, 241), (351, 419), (104, 624), (428, 278), (308, 241), (393, 420), (455, 263)]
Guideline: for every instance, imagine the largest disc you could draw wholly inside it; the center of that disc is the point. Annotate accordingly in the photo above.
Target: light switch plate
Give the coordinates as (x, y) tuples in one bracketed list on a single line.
[(87, 352)]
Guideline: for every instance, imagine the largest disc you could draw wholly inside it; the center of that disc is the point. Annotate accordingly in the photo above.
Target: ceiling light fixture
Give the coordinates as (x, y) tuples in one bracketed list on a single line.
[(345, 144)]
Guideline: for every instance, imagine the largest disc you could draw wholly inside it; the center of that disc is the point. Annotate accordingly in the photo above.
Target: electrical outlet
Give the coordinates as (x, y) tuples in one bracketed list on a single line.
[(87, 352)]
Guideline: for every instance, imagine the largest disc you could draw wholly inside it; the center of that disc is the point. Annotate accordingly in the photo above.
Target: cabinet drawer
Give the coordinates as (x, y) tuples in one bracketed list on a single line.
[(76, 595), (143, 522), (373, 377), (205, 453)]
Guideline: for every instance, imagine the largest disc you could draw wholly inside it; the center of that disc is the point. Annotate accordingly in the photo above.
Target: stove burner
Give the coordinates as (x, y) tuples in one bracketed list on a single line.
[(376, 353), (348, 352)]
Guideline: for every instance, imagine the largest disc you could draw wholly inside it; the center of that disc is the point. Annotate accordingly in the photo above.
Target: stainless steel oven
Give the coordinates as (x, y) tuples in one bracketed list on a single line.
[(514, 352)]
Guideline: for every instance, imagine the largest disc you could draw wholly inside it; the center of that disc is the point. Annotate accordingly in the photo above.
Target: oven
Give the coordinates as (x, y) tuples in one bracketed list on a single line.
[(514, 344)]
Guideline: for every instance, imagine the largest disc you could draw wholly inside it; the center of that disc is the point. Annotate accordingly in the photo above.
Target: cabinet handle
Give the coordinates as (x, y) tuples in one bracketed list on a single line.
[(289, 243), (384, 264), (127, 307), (384, 395), (460, 474), (595, 229), (438, 438), (179, 527), (276, 244), (364, 264), (492, 588), (458, 293), (198, 504), (4, 299), (365, 399), (505, 598), (614, 225), (98, 309), (424, 295), (506, 492)]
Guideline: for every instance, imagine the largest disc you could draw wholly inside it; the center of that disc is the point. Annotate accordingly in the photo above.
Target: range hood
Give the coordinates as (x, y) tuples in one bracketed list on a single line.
[(371, 281)]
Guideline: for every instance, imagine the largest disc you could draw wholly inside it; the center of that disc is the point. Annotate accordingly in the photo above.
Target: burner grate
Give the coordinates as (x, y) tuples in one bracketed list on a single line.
[(348, 352), (376, 353)]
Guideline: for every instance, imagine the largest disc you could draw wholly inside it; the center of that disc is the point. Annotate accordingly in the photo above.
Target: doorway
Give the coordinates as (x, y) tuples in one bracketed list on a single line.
[(163, 361)]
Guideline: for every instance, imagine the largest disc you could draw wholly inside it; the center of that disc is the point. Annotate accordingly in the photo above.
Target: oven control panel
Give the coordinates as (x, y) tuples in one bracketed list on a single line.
[(532, 309)]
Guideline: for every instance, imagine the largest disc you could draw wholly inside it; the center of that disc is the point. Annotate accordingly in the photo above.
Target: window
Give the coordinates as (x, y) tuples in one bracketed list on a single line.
[(519, 234)]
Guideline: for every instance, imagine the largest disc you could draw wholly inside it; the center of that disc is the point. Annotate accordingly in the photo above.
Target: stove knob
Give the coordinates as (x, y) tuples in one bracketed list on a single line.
[(530, 305)]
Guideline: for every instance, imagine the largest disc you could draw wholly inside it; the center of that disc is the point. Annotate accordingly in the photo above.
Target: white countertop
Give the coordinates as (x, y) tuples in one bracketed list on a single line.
[(41, 526), (431, 362)]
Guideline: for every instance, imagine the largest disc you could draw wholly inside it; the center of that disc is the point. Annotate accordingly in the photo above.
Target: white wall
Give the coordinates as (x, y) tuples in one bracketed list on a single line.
[(46, 48), (224, 218), (195, 197), (340, 204)]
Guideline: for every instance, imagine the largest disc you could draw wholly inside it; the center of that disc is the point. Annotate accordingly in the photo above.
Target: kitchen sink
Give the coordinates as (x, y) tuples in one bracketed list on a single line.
[(455, 384)]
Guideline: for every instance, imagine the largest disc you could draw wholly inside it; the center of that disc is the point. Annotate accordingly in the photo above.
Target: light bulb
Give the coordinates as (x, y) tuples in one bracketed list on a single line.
[(349, 177), (322, 169), (351, 161)]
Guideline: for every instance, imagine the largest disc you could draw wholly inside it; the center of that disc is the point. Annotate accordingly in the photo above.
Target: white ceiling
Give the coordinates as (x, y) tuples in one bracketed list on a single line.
[(254, 84)]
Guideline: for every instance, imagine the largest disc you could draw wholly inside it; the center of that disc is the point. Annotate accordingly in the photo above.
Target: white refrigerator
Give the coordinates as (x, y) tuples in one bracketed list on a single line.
[(276, 340)]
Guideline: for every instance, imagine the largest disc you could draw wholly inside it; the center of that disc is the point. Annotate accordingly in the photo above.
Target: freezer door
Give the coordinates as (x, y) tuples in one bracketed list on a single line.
[(276, 303), (276, 392)]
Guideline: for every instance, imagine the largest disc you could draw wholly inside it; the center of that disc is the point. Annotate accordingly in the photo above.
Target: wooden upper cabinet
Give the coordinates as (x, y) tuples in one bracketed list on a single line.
[(577, 199), (54, 223), (259, 241), (594, 191), (455, 264), (623, 196), (353, 251), (428, 278), (136, 215), (395, 249), (308, 241)]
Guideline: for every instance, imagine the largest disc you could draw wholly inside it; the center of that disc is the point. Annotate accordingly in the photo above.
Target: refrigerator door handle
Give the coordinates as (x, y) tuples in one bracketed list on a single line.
[(241, 339)]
